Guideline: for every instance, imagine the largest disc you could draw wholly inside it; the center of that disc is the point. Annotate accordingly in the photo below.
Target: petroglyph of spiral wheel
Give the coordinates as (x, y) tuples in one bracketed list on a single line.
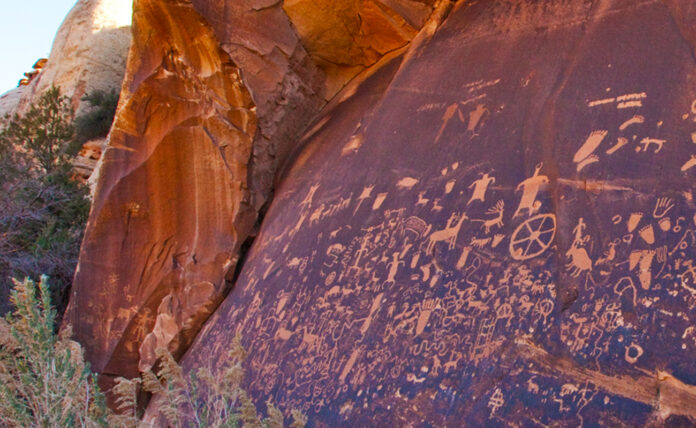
[(533, 237)]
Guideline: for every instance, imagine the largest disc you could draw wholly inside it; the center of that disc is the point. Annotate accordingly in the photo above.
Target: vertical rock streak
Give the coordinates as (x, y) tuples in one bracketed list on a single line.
[(172, 199)]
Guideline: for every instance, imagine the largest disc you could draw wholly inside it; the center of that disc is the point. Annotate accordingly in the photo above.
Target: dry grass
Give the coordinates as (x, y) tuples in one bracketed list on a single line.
[(204, 398), (44, 381)]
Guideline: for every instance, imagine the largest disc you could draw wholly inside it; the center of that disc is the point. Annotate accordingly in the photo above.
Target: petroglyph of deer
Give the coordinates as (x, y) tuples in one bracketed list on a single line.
[(497, 210), (448, 234)]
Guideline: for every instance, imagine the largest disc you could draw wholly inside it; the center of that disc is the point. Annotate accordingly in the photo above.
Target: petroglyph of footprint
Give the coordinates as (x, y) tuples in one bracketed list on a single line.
[(620, 142), (633, 221), (648, 234), (591, 144), (587, 161), (632, 121)]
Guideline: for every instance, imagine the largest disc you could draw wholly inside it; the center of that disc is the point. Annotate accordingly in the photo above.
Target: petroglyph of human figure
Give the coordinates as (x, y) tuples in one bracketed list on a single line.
[(496, 401), (610, 253), (393, 267), (497, 210), (578, 231), (544, 308), (448, 234), (530, 189), (476, 118), (579, 259), (480, 186), (310, 196), (361, 252), (366, 194), (437, 365)]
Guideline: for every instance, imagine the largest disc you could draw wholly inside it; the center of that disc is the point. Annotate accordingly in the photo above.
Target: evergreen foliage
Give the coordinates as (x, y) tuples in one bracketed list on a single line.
[(96, 122), (43, 209)]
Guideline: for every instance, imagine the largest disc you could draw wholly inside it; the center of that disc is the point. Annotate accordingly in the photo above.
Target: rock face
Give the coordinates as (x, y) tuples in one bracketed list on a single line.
[(497, 228), (10, 100), (215, 96), (152, 198), (492, 224), (88, 53), (349, 36)]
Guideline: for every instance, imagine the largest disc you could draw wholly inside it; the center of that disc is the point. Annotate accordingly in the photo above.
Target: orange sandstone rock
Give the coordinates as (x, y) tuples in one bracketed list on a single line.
[(215, 96), (88, 53), (172, 200)]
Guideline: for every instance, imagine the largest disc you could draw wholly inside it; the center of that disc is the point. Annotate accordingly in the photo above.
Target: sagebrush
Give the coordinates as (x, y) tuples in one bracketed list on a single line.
[(45, 382), (204, 398)]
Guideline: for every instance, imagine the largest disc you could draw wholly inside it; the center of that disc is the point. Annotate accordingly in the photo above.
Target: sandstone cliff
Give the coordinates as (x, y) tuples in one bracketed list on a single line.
[(88, 53), (491, 223), (212, 103)]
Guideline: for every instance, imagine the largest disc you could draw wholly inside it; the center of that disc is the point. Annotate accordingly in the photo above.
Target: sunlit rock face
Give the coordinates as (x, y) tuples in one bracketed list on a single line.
[(349, 36), (215, 97), (171, 200), (495, 229), (88, 53)]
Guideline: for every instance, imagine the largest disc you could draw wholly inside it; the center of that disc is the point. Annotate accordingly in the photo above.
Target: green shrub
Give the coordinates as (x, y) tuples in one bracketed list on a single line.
[(204, 398), (44, 381), (43, 209), (96, 122)]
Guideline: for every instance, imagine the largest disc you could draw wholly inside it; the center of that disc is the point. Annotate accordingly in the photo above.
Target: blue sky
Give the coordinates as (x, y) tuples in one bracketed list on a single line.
[(26, 34)]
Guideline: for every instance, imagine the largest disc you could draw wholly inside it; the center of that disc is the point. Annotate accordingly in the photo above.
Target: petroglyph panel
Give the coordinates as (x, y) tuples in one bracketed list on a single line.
[(513, 243)]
